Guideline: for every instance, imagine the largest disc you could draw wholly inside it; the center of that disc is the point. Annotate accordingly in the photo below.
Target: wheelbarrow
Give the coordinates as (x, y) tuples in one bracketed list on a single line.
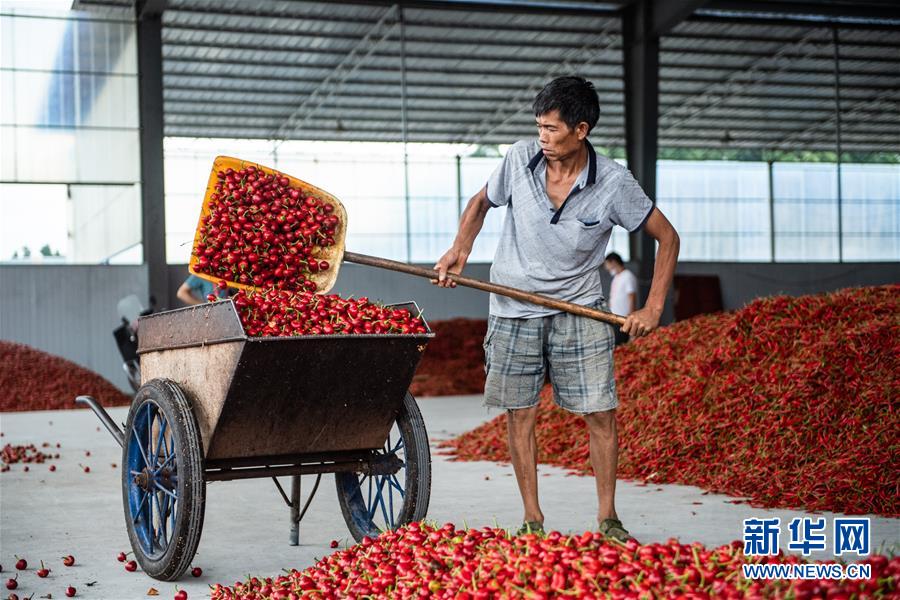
[(218, 405)]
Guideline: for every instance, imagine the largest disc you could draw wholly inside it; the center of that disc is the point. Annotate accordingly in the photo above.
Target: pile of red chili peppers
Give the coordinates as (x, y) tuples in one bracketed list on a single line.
[(453, 362), (789, 402), (34, 380), (474, 564)]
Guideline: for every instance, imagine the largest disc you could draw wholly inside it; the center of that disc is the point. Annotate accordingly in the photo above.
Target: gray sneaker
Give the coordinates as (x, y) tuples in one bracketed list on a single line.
[(535, 527), (612, 528)]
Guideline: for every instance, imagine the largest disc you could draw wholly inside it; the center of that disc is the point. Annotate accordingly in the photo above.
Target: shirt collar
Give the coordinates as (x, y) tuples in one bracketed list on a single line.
[(592, 163)]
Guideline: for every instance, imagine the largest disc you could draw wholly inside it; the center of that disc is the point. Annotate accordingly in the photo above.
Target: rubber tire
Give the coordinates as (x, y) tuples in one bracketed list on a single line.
[(191, 484), (418, 474)]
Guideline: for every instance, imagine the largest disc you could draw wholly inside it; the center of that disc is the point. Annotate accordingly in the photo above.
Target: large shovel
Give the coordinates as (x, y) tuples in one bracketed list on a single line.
[(486, 286), (336, 254)]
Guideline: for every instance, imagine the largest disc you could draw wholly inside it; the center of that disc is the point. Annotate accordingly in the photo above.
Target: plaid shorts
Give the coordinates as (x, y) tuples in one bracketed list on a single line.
[(578, 351)]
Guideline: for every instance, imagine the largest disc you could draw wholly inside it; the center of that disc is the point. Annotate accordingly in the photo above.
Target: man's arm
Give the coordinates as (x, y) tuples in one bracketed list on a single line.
[(645, 320), (186, 295), (470, 224)]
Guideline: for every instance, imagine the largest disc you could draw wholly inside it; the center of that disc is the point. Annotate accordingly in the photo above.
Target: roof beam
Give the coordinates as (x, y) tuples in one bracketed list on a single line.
[(366, 136), (271, 60), (410, 39), (468, 77), (762, 114), (537, 26), (669, 13), (217, 79), (731, 127), (389, 126), (150, 8), (369, 114), (798, 9), (612, 94), (772, 39), (463, 51), (706, 15), (270, 56), (682, 141), (535, 7), (668, 53)]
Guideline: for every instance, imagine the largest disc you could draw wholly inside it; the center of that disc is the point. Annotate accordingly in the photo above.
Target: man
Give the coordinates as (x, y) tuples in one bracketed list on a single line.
[(195, 290), (563, 200), (622, 291)]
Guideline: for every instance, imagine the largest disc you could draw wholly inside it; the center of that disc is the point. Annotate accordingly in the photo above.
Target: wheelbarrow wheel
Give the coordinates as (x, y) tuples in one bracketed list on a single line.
[(163, 490), (372, 504)]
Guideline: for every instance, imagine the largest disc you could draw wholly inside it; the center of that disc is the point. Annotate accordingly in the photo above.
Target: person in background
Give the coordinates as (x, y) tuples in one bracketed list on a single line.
[(622, 291), (194, 290)]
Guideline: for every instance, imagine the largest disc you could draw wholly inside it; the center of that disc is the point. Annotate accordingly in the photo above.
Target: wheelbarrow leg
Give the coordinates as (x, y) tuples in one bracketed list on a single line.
[(295, 510)]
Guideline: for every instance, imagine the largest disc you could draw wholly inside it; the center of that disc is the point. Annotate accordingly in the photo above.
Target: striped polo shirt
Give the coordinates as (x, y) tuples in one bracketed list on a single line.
[(558, 252)]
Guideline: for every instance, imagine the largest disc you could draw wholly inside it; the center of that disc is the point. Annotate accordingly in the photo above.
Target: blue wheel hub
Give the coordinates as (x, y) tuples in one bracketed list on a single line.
[(152, 463), (377, 499)]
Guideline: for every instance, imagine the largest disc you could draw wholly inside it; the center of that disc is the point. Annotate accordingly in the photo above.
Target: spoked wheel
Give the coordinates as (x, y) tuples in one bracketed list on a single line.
[(375, 503), (163, 489)]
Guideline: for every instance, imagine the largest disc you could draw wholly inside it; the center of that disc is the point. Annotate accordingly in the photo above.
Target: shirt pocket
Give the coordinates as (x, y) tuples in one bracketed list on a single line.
[(588, 234)]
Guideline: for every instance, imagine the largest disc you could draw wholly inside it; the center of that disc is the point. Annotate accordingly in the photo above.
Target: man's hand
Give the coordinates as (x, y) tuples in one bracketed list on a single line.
[(641, 322), (452, 261)]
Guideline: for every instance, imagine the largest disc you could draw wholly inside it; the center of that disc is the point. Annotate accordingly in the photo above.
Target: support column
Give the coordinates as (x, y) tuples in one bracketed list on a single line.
[(837, 141), (404, 134), (150, 103), (771, 173), (459, 194), (641, 61)]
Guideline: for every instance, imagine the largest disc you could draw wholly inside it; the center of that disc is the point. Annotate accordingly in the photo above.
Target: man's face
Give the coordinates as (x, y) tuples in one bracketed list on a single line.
[(557, 139)]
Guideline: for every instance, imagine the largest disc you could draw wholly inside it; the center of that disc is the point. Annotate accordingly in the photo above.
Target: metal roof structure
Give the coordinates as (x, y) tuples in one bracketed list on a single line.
[(763, 75)]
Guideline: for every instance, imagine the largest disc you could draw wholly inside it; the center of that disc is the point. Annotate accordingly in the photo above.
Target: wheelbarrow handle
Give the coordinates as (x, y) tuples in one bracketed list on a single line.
[(104, 417), (503, 290)]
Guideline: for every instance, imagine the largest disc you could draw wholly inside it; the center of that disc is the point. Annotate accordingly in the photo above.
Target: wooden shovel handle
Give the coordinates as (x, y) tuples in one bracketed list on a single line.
[(486, 286)]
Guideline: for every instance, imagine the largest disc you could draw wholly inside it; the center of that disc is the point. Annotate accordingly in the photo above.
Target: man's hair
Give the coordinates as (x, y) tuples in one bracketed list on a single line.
[(614, 257), (574, 97)]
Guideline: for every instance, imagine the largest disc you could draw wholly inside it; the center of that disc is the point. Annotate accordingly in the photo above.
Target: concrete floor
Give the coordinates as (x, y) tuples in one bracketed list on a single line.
[(45, 515)]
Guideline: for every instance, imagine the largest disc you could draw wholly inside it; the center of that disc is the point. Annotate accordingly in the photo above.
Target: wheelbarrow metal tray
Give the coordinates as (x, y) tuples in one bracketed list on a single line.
[(279, 396)]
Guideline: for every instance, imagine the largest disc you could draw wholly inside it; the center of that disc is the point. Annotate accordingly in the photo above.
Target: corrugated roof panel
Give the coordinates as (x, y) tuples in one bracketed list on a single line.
[(241, 69)]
